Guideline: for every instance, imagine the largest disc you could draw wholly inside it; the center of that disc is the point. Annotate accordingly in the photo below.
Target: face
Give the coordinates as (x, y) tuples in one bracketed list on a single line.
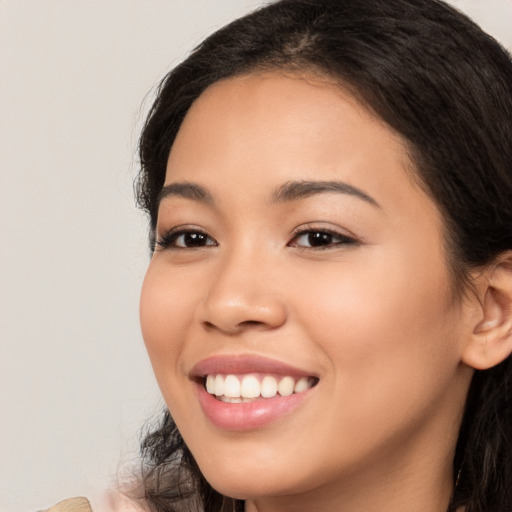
[(294, 251)]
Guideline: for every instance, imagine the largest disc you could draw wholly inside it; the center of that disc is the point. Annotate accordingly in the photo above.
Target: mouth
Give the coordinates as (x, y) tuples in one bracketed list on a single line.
[(246, 392), (236, 389)]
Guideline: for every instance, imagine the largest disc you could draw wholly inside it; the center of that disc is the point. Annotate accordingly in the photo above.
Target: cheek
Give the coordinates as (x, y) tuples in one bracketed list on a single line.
[(164, 303), (387, 333)]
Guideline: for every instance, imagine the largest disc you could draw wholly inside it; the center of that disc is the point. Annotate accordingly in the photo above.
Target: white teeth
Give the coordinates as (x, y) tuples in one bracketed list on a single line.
[(210, 384), (285, 386), (236, 400), (231, 399), (301, 385), (232, 389), (268, 387), (219, 385), (250, 387)]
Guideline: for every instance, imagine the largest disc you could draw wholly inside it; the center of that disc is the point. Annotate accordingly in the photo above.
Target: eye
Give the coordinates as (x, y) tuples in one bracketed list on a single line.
[(320, 239), (184, 239)]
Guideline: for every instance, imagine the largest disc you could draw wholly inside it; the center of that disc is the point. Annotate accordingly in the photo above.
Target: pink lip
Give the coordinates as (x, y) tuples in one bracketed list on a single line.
[(236, 364), (251, 415)]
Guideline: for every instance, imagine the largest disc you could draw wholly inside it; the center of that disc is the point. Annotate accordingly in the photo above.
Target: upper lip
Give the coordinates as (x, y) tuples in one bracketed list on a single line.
[(241, 364)]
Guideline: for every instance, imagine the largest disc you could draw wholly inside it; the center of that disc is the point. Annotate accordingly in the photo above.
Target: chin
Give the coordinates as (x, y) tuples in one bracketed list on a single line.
[(256, 478), (244, 487)]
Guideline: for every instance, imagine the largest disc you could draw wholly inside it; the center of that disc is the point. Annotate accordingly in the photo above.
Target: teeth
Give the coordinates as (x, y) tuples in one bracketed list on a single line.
[(231, 399), (219, 385), (237, 400), (210, 384), (232, 389), (268, 387), (301, 385), (285, 386), (250, 387)]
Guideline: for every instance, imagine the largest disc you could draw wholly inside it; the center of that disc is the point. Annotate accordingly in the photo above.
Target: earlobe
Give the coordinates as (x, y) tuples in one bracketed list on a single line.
[(491, 339)]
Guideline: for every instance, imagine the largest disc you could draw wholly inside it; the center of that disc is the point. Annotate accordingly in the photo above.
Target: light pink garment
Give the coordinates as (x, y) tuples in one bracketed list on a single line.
[(111, 501)]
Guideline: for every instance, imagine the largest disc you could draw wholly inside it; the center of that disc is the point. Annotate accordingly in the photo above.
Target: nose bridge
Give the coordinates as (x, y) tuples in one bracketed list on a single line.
[(243, 291)]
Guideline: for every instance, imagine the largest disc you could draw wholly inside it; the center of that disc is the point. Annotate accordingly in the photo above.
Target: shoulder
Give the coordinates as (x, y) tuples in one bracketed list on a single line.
[(71, 505)]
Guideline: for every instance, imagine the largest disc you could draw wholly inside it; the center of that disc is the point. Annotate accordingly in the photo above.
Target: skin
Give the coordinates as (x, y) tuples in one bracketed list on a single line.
[(376, 320)]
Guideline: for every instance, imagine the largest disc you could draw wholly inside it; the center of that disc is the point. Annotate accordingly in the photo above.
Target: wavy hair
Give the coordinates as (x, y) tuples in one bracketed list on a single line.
[(442, 83)]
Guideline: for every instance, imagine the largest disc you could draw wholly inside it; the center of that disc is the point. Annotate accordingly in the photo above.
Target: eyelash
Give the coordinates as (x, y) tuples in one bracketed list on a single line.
[(342, 240), (168, 240)]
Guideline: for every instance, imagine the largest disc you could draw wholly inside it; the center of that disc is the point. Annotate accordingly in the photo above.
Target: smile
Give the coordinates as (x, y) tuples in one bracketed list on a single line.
[(247, 388), (244, 392)]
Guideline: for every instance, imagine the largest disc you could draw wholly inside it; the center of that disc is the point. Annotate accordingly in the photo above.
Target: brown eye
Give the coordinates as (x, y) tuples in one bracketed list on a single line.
[(185, 240), (316, 239), (320, 239), (191, 240)]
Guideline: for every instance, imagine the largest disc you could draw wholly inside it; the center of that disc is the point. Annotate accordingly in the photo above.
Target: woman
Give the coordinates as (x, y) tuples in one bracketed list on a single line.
[(328, 308)]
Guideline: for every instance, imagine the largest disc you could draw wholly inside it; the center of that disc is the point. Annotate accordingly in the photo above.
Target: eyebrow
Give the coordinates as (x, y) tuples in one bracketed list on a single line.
[(185, 190), (289, 191), (293, 190)]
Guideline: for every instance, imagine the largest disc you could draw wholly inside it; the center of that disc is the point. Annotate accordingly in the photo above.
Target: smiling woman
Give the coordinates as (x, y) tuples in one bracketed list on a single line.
[(328, 307)]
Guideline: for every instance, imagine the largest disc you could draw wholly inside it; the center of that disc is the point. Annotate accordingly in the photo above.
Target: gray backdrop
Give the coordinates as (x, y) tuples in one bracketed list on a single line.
[(75, 382)]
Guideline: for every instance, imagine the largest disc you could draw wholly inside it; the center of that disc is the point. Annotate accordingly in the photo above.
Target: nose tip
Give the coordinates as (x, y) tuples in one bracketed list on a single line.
[(233, 309)]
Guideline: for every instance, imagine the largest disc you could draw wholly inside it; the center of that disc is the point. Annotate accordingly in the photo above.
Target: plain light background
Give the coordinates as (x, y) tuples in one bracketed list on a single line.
[(75, 383)]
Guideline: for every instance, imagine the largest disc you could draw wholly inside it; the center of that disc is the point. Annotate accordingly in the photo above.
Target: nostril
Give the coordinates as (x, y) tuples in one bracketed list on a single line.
[(235, 329), (250, 323)]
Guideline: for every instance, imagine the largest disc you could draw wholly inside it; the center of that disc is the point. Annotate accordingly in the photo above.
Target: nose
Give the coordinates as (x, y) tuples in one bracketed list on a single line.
[(243, 294)]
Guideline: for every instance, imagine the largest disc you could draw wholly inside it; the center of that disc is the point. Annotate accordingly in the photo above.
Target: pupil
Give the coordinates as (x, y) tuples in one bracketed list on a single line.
[(316, 239), (194, 239)]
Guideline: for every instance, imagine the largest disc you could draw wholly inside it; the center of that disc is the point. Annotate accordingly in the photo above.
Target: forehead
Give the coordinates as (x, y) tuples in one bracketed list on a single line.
[(253, 129), (282, 107)]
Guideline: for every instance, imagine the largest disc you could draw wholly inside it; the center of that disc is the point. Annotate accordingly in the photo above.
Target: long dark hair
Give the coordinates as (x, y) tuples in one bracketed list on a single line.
[(443, 84)]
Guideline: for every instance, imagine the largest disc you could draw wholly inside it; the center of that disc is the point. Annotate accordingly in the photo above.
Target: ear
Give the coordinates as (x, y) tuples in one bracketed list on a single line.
[(491, 339)]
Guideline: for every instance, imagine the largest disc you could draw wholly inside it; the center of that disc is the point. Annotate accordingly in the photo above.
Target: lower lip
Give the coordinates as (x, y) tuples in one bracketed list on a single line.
[(249, 415)]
